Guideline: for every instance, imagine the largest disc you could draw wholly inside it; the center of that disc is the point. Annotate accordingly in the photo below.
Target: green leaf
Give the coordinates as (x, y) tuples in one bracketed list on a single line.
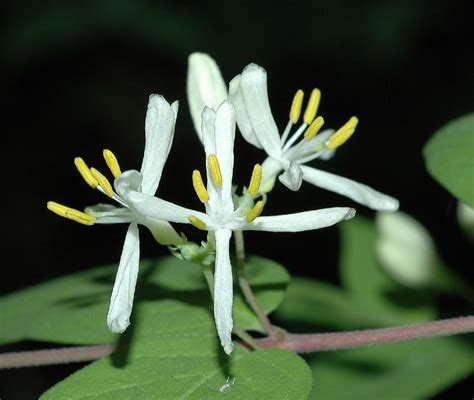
[(409, 371), (73, 309), (449, 157), (175, 355), (365, 280)]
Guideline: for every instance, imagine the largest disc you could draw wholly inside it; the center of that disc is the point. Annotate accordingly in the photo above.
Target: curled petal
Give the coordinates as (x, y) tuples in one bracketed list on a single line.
[(356, 191), (223, 290), (303, 221), (205, 87), (121, 302), (292, 177)]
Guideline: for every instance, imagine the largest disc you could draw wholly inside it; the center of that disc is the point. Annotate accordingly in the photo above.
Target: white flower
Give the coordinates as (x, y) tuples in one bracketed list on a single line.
[(405, 249), (221, 217), (159, 130), (248, 93)]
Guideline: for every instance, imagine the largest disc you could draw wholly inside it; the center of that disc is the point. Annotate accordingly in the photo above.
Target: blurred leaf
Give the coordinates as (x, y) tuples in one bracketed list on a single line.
[(175, 355), (409, 371), (73, 309), (364, 278), (449, 157)]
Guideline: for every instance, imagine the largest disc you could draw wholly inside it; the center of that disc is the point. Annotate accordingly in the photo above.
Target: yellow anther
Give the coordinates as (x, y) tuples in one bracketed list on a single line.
[(85, 172), (112, 162), (195, 221), (70, 213), (342, 134), (199, 187), (296, 105), (215, 170), (103, 182), (255, 180), (312, 107), (314, 128), (254, 212)]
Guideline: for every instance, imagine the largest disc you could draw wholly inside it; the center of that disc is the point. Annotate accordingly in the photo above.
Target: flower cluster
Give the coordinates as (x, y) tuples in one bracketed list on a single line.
[(216, 111)]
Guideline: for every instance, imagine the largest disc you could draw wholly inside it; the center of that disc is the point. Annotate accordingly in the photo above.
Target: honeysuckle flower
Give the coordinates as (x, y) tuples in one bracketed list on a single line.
[(222, 217), (159, 129), (287, 153)]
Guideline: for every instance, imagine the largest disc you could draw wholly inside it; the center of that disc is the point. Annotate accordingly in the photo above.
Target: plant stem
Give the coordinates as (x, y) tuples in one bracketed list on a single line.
[(300, 343), (304, 343), (245, 287)]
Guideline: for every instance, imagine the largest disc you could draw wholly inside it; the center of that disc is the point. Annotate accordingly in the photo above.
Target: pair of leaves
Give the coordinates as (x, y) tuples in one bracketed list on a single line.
[(170, 350), (409, 370), (449, 157)]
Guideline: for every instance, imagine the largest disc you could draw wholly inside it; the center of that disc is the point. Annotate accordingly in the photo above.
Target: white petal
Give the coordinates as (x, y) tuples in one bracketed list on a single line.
[(128, 181), (209, 142), (223, 295), (253, 84), (292, 177), (270, 169), (245, 127), (354, 190), (163, 232), (159, 129), (154, 207), (225, 135), (121, 302), (303, 221), (109, 214), (205, 86)]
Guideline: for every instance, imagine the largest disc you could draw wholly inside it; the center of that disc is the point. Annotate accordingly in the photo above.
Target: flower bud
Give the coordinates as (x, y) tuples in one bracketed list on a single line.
[(405, 249), (465, 216)]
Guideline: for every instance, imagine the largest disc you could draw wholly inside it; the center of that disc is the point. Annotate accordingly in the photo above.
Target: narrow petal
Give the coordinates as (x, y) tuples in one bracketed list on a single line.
[(223, 294), (225, 135), (154, 207), (245, 126), (253, 84), (356, 191), (209, 142), (109, 214), (292, 177), (205, 87), (303, 221), (159, 129), (121, 302)]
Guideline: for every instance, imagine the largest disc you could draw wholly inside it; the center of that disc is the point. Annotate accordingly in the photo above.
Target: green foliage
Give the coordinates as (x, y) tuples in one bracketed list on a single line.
[(409, 371), (175, 355), (73, 309), (449, 157), (369, 298)]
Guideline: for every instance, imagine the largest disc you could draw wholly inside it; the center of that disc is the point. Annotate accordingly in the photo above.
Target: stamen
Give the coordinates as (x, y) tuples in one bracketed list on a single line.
[(296, 105), (103, 182), (85, 172), (312, 108), (71, 213), (342, 134), (254, 212), (314, 128), (215, 170), (255, 180), (112, 162), (196, 222), (199, 187)]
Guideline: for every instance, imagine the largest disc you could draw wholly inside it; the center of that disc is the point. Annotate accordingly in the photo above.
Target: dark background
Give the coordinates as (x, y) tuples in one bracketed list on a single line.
[(76, 77)]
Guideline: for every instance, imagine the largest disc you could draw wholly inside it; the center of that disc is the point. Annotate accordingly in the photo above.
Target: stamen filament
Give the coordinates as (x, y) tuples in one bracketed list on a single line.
[(254, 212), (343, 134), (85, 172), (103, 182), (294, 138), (112, 162), (255, 180), (199, 187), (215, 170), (70, 213), (312, 108), (296, 105), (314, 128), (196, 222), (286, 132)]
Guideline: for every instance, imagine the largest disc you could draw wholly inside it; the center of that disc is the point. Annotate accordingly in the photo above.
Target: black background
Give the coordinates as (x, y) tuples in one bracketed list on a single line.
[(76, 77)]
